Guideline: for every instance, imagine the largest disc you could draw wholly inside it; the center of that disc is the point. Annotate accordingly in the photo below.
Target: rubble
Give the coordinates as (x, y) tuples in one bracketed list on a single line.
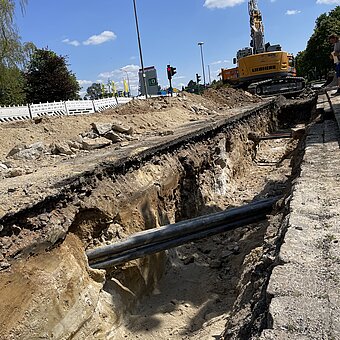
[(95, 143)]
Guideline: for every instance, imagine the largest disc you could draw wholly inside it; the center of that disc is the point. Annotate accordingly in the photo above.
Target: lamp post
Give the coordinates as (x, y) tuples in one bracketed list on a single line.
[(140, 49), (200, 44)]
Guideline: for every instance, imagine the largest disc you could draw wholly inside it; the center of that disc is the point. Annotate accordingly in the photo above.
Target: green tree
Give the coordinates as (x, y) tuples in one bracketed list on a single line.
[(12, 87), (94, 91), (13, 56), (314, 61), (48, 78)]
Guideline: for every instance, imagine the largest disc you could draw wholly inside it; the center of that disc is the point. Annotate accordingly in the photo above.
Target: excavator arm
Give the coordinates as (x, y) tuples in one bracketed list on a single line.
[(256, 27)]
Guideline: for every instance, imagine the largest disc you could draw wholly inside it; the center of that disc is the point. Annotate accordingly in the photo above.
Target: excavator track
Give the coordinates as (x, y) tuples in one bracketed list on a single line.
[(288, 86)]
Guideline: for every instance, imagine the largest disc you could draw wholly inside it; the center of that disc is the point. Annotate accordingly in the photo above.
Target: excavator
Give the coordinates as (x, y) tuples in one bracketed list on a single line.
[(262, 68)]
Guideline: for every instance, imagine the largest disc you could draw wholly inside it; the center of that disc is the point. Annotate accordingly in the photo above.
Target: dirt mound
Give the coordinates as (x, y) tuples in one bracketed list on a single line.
[(229, 96), (211, 99), (152, 116)]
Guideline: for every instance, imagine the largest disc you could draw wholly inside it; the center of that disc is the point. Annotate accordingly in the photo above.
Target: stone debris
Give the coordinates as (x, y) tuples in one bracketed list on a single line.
[(32, 151), (3, 167), (97, 143), (120, 127), (101, 128), (62, 148), (114, 137)]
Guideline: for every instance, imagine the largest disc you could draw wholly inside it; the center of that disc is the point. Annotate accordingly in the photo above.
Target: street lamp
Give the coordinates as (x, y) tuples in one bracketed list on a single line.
[(140, 49), (200, 44)]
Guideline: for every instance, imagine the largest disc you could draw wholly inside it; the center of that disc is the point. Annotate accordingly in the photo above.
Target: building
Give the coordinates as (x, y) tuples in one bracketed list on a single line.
[(151, 81)]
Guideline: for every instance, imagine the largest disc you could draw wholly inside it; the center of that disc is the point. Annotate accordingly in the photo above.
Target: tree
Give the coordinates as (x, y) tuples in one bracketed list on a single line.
[(94, 91), (12, 87), (48, 78), (314, 62), (13, 56)]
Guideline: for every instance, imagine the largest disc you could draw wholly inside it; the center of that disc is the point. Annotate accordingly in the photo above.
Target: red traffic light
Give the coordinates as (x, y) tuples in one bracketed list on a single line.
[(168, 69), (171, 71)]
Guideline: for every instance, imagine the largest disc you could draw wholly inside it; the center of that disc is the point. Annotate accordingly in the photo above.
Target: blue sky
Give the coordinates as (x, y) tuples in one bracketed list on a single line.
[(99, 37)]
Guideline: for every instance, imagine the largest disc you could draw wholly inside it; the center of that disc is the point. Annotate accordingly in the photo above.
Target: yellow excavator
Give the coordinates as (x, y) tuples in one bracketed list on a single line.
[(262, 68)]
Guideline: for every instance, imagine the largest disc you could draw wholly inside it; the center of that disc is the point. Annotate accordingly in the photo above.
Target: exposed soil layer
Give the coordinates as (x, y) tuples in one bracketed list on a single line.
[(189, 292)]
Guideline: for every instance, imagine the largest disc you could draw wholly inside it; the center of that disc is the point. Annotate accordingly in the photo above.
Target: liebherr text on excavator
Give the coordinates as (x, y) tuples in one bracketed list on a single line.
[(263, 68)]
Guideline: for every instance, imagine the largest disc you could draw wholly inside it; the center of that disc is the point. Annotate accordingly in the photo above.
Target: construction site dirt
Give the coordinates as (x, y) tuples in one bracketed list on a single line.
[(75, 183)]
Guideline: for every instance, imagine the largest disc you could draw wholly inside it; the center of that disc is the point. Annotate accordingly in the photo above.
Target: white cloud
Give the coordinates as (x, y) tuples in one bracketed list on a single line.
[(179, 77), (292, 12), (93, 40), (222, 3), (83, 83), (131, 68), (218, 62), (117, 75), (328, 2), (71, 42), (101, 38)]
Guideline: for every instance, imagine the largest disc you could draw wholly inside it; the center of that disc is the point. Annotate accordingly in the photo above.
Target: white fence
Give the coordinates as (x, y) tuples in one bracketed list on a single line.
[(71, 107)]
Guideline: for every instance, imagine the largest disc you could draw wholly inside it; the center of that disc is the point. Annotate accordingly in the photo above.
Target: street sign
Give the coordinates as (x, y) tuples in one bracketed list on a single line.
[(152, 82)]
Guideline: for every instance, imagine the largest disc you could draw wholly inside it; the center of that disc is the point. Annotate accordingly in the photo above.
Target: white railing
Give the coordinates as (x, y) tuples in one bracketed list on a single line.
[(71, 107)]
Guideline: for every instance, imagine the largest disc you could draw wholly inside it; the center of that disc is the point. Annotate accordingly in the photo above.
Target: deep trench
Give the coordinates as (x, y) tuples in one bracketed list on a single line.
[(239, 285), (212, 288)]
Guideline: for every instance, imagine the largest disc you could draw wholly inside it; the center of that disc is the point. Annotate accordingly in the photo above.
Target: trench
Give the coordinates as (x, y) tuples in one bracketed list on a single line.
[(212, 288)]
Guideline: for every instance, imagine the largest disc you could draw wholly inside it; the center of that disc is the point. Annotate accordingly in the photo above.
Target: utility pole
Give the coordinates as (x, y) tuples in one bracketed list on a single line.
[(140, 49), (200, 44)]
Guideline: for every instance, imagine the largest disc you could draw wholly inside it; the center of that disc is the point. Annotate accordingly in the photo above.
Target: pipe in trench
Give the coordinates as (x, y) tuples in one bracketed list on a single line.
[(182, 228), (133, 254), (195, 229)]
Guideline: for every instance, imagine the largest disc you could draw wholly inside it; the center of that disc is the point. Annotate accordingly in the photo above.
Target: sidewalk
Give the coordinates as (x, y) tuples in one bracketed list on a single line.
[(305, 289)]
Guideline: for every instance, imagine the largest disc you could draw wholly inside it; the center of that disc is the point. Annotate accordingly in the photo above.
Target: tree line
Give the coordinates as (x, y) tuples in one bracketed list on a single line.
[(29, 74), (314, 62)]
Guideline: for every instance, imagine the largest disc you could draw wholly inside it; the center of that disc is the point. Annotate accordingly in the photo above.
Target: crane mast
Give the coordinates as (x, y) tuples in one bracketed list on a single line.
[(256, 27)]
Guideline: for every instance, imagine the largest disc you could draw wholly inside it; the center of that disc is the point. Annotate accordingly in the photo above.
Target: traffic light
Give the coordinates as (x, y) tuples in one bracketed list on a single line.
[(168, 69), (198, 78), (171, 71)]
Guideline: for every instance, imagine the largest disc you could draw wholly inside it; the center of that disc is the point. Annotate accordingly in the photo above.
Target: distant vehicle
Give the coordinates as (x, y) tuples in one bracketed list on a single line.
[(263, 68)]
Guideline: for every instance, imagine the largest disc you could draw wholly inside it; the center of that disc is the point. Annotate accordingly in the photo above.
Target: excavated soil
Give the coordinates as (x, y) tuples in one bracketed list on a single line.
[(146, 117), (191, 292)]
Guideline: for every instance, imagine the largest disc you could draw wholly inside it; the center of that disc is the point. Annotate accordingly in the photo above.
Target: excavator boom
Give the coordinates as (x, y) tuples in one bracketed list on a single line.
[(256, 27)]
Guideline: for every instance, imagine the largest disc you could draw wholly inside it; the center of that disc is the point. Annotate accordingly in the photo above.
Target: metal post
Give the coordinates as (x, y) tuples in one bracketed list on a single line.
[(209, 74), (140, 49), (200, 44)]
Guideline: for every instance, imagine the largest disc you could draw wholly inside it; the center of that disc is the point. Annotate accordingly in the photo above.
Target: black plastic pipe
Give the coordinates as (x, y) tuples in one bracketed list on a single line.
[(182, 228), (133, 254)]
